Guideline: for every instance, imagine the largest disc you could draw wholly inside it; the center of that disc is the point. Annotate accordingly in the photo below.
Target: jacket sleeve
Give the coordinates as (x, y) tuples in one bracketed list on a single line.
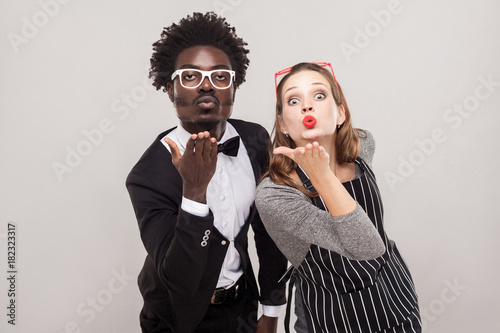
[(272, 266), (272, 263), (176, 241), (289, 215)]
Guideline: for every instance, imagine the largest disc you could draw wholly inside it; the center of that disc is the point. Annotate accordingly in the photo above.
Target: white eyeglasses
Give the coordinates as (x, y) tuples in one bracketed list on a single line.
[(193, 78)]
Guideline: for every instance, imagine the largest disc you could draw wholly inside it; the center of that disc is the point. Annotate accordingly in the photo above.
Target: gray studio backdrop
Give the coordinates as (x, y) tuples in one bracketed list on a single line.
[(77, 111)]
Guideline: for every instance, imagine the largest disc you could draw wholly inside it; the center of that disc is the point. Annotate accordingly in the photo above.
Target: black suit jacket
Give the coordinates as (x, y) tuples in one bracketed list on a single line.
[(179, 274)]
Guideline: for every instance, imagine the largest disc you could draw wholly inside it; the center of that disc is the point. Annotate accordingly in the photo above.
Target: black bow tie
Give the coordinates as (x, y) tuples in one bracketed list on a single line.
[(230, 147)]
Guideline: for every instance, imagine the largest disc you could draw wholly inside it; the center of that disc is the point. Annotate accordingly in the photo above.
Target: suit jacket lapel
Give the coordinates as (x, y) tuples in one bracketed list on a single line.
[(253, 143)]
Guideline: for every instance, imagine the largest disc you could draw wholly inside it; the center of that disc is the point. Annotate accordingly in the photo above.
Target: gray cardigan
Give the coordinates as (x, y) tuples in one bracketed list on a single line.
[(295, 223)]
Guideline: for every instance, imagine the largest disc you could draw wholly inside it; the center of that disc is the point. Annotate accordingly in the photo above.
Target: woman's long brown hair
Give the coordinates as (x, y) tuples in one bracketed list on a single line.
[(346, 138)]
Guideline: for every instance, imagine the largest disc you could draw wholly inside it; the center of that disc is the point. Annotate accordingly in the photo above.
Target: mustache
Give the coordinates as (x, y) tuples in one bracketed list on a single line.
[(207, 125), (182, 102), (200, 96)]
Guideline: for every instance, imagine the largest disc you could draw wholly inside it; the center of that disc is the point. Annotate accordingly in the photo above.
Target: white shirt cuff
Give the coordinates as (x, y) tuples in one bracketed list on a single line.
[(271, 310), (194, 207)]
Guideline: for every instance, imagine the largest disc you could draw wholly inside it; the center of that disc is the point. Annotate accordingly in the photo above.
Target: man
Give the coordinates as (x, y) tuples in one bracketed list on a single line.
[(193, 204)]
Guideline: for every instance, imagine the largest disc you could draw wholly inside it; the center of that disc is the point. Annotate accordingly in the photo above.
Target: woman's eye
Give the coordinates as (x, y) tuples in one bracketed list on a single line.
[(293, 101), (319, 96)]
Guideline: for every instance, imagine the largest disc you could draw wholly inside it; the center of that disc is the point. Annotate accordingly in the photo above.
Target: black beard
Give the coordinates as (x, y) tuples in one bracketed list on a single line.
[(206, 125), (180, 102)]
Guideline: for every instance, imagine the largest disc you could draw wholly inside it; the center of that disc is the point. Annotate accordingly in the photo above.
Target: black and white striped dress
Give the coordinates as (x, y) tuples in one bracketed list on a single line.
[(342, 295)]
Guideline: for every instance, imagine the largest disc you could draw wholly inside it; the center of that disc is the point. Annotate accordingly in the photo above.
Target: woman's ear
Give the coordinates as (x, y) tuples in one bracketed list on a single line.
[(281, 125), (170, 91), (340, 115)]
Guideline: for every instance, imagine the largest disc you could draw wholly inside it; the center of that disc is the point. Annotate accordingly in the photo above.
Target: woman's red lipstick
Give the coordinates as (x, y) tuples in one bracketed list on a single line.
[(309, 121)]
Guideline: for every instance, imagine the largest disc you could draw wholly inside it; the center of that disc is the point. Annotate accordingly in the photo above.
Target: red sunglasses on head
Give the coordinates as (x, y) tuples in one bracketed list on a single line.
[(286, 70)]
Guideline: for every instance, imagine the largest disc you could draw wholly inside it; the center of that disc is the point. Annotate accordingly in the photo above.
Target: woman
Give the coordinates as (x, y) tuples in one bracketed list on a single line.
[(320, 203)]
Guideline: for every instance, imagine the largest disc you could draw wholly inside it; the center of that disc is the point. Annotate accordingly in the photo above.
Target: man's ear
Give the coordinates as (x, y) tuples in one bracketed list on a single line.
[(170, 91), (234, 93)]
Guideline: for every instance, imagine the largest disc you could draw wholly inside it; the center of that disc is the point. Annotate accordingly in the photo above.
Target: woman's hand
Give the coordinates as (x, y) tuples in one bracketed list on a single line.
[(315, 162), (312, 158)]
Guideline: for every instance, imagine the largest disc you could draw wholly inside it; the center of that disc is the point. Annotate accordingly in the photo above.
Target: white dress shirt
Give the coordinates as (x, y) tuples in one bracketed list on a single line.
[(230, 194)]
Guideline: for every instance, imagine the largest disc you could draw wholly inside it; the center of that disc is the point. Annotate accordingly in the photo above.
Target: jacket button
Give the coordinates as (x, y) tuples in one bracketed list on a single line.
[(223, 242)]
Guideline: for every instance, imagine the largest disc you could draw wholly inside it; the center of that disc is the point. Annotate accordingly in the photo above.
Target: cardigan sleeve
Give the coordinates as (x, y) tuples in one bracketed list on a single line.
[(291, 218), (366, 146)]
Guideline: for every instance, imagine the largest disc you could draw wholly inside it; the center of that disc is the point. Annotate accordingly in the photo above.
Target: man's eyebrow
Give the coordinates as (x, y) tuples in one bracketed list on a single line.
[(198, 67), (220, 67), (189, 66)]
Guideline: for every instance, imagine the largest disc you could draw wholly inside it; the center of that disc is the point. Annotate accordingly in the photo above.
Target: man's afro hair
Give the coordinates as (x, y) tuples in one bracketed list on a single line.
[(197, 30)]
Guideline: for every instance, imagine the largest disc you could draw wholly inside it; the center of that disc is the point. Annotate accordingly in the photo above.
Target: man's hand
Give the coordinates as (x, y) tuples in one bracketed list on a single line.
[(197, 165), (267, 324)]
